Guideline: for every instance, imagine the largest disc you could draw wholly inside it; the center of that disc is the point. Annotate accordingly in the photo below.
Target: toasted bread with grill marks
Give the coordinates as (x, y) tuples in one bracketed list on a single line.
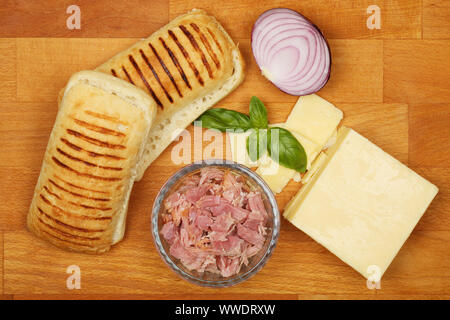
[(90, 164), (186, 67)]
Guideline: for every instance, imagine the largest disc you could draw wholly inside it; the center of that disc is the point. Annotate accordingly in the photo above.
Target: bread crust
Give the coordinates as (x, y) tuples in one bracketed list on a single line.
[(89, 166)]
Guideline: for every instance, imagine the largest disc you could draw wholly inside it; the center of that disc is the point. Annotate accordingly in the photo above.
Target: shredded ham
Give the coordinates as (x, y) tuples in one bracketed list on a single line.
[(214, 223)]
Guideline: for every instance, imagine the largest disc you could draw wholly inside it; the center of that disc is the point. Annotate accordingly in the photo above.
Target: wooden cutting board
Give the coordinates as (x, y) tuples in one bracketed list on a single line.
[(392, 84)]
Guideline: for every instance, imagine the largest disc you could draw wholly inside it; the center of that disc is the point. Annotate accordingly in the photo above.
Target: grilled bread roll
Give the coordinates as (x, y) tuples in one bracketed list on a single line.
[(186, 67), (81, 197)]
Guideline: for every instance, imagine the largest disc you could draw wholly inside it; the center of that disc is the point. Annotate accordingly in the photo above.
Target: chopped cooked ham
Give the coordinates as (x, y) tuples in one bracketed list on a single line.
[(249, 235), (213, 223), (249, 251), (239, 214), (229, 266), (218, 236), (223, 223), (254, 220), (210, 174), (256, 204), (194, 194), (231, 247), (177, 206), (168, 231), (207, 202), (204, 222), (231, 188)]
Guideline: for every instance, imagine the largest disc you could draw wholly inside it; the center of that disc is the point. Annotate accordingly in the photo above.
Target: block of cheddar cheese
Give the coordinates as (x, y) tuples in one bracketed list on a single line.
[(361, 203)]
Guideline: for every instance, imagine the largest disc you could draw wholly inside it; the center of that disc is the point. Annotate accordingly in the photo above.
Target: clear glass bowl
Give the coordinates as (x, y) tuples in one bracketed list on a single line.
[(255, 263)]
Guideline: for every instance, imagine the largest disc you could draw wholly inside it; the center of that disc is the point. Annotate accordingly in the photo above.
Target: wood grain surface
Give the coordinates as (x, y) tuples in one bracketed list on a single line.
[(392, 85)]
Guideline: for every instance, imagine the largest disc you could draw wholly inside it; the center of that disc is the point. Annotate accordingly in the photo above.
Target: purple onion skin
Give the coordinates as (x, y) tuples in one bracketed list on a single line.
[(318, 29), (329, 51)]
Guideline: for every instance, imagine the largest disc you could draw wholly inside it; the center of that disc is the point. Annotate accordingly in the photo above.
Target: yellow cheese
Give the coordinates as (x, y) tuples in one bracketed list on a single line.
[(238, 145), (317, 164), (362, 204), (292, 206), (275, 175), (314, 118), (312, 149), (332, 140)]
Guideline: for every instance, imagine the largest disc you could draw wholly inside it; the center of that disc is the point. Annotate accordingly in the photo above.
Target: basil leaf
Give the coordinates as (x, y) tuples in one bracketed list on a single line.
[(223, 119), (284, 148), (258, 113), (257, 143)]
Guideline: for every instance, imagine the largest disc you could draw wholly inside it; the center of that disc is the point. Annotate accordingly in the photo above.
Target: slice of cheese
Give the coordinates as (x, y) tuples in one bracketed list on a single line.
[(317, 164), (332, 140), (314, 118), (275, 175), (238, 145), (362, 204)]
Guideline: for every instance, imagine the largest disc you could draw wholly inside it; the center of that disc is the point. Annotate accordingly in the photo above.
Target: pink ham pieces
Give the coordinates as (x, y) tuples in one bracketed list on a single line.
[(214, 222)]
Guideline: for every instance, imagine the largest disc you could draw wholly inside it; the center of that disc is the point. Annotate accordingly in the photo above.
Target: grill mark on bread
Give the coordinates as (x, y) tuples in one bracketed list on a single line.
[(144, 80), (45, 199), (90, 153), (215, 39), (50, 193), (127, 75), (187, 57), (63, 233), (94, 141), (78, 187), (77, 194), (205, 42), (176, 63), (60, 211), (197, 48), (114, 73), (83, 174), (149, 65), (68, 225), (161, 62), (105, 117), (69, 156), (71, 202), (89, 207), (68, 241), (96, 128)]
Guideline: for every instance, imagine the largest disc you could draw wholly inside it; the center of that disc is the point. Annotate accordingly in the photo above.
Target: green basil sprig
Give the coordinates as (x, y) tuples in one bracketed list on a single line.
[(284, 148), (257, 143), (223, 120), (258, 114), (281, 145)]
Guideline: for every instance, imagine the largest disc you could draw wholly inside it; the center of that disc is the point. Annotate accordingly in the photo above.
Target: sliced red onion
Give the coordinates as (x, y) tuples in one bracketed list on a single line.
[(291, 51)]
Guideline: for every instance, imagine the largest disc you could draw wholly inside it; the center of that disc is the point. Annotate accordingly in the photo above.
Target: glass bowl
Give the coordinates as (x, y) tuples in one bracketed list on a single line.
[(255, 263)]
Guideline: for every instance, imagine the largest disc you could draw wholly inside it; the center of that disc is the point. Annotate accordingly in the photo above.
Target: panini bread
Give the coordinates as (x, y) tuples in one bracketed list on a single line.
[(186, 67), (90, 164)]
